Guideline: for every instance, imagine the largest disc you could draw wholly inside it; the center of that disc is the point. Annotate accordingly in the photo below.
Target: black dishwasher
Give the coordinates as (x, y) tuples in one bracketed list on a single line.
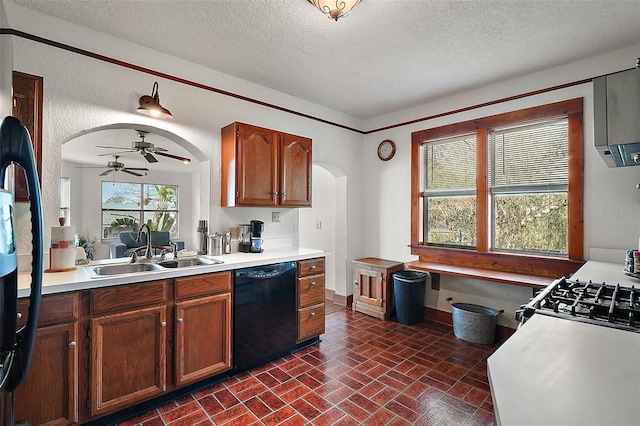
[(264, 314)]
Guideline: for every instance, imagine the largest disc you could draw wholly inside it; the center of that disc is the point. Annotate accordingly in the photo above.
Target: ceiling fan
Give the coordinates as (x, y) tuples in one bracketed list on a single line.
[(117, 166), (146, 149)]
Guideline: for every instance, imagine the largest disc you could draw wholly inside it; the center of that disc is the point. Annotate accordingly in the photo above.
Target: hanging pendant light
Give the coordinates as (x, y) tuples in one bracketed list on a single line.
[(335, 9), (150, 105)]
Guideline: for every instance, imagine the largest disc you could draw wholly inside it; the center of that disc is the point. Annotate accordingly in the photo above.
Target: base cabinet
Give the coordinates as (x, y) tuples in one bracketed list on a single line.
[(128, 345), (310, 298), (49, 394), (202, 327), (373, 286)]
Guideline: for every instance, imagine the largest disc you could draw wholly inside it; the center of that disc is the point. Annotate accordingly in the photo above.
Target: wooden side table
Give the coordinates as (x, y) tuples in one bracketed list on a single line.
[(372, 286)]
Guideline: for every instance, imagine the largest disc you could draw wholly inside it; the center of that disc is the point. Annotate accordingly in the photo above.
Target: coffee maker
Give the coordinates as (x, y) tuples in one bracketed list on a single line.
[(257, 227), (244, 238)]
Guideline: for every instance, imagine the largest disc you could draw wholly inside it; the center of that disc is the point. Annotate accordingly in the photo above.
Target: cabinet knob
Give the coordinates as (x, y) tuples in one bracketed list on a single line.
[(163, 324), (284, 194), (19, 315), (72, 344), (275, 193), (180, 320), (356, 283), (313, 266), (313, 283), (313, 314)]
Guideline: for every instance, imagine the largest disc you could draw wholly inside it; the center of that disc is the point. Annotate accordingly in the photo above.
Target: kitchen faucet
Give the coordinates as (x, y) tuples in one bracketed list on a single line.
[(148, 253)]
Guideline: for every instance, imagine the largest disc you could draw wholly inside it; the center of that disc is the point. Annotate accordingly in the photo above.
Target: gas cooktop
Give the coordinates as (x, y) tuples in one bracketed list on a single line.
[(610, 305)]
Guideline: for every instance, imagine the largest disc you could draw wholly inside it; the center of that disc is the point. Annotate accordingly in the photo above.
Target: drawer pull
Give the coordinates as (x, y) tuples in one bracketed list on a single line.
[(180, 320), (19, 315), (72, 344), (163, 324), (313, 283), (313, 266), (313, 314)]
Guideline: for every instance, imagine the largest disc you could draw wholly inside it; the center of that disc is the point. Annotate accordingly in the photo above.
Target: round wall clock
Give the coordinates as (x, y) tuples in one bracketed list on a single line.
[(386, 150)]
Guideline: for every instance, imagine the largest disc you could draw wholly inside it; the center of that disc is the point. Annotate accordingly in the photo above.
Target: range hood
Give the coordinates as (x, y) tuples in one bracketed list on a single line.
[(616, 125)]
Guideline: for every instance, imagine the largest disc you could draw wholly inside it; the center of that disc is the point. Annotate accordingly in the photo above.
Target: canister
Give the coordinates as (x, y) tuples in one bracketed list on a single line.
[(215, 245)]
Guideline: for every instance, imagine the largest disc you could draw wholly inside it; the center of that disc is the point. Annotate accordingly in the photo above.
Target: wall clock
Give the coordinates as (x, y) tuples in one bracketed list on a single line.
[(386, 150)]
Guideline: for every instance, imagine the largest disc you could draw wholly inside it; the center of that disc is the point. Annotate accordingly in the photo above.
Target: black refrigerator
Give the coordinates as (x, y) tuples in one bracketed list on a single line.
[(16, 345)]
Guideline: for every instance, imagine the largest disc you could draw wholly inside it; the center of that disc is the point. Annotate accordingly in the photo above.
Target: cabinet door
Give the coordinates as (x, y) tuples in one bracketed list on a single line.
[(257, 169), (203, 337), (295, 171), (27, 107), (49, 394), (369, 287), (128, 358)]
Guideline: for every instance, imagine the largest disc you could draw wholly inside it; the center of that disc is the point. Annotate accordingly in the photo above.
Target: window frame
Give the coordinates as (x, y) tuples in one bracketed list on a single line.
[(141, 211), (482, 257)]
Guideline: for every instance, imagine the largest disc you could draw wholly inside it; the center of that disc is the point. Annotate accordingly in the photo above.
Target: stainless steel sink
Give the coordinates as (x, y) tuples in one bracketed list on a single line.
[(188, 261), (122, 268)]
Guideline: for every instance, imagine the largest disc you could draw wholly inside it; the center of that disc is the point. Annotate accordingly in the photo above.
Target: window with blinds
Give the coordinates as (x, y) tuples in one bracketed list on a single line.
[(528, 174), (448, 176)]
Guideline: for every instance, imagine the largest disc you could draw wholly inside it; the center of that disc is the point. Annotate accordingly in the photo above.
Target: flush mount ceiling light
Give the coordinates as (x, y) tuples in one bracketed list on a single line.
[(335, 9), (150, 105)]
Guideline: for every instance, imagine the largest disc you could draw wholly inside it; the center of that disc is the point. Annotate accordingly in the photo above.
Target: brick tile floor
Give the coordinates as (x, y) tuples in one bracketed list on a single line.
[(364, 372)]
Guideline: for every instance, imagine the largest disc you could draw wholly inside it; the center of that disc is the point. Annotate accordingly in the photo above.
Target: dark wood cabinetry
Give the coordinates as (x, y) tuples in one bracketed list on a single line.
[(310, 298), (263, 167), (128, 345), (27, 107), (373, 286), (203, 326), (49, 394)]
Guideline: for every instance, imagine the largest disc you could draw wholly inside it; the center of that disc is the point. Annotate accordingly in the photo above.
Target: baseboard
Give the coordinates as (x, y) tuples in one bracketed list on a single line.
[(338, 299), (444, 317)]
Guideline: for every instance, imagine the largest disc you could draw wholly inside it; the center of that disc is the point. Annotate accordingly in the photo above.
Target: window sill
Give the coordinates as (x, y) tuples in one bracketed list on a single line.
[(510, 278), (513, 269)]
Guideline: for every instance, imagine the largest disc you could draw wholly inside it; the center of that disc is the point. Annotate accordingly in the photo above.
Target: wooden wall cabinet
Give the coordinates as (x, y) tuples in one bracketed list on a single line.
[(49, 394), (310, 298), (202, 326), (264, 168), (128, 333), (373, 286)]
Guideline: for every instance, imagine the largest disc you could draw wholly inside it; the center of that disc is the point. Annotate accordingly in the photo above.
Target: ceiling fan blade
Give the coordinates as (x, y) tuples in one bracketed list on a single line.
[(176, 157), (114, 147), (143, 169), (150, 158), (156, 149), (113, 153), (89, 167), (130, 172), (106, 172)]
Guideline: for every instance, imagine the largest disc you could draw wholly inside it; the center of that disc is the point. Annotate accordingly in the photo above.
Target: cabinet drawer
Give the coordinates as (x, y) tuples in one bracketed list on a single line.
[(126, 297), (310, 322), (310, 290), (54, 309), (202, 285), (311, 267)]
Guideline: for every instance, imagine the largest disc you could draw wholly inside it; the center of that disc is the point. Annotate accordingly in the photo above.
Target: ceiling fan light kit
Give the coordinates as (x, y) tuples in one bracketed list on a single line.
[(335, 9), (150, 105)]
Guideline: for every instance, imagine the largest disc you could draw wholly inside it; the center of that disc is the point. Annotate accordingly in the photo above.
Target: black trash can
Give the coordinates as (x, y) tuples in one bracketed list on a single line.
[(408, 289)]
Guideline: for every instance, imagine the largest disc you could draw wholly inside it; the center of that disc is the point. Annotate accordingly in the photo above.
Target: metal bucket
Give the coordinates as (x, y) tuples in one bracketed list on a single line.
[(474, 323)]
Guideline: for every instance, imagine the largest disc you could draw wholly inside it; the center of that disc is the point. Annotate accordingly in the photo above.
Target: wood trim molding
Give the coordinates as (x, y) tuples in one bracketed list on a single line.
[(13, 32)]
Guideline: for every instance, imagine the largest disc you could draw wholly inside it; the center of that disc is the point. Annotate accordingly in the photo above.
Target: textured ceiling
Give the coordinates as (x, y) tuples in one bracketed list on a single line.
[(387, 55)]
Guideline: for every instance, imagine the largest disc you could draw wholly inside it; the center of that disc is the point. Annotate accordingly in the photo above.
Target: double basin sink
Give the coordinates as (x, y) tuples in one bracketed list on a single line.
[(130, 268)]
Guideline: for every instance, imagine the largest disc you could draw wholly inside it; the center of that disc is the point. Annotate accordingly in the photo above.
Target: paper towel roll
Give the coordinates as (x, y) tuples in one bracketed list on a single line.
[(63, 248), (63, 236)]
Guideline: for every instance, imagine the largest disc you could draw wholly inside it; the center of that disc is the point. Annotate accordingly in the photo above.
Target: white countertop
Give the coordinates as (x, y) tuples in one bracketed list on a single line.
[(79, 279), (555, 371)]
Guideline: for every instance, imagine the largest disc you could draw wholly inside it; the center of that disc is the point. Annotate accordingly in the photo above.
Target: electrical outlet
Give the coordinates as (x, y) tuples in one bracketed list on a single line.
[(318, 224), (275, 216)]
